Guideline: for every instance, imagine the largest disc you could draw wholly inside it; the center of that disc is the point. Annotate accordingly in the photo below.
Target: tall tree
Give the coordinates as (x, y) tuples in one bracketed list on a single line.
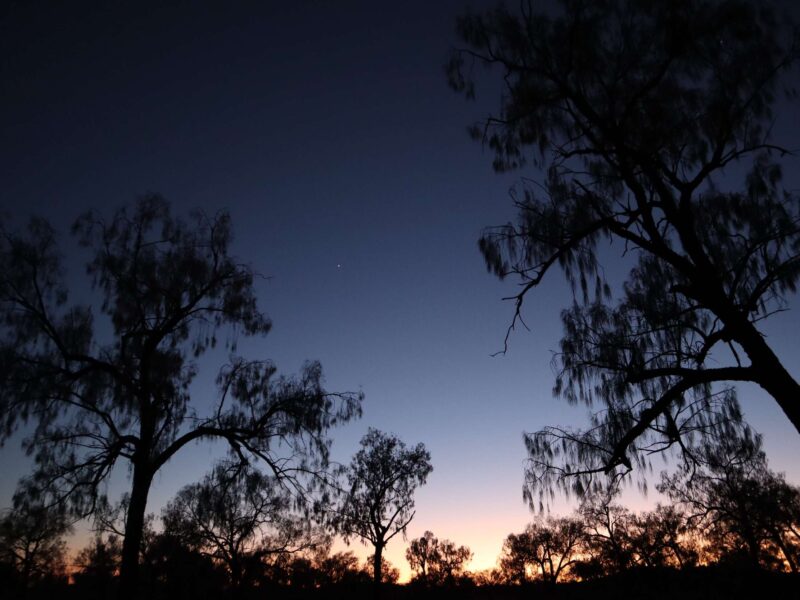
[(379, 500), (111, 381), (639, 111)]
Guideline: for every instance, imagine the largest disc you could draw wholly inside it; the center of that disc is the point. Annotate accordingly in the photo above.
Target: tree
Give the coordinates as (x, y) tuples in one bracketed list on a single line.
[(421, 554), (746, 511), (98, 566), (607, 530), (639, 111), (111, 382), (32, 540), (236, 516), (662, 538), (546, 550), (379, 502), (437, 561), (451, 562)]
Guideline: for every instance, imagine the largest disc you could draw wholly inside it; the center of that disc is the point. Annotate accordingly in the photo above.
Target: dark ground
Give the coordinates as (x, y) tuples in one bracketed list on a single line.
[(712, 583)]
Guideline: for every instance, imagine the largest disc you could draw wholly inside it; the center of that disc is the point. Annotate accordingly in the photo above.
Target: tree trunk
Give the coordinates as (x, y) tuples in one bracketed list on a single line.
[(772, 375), (134, 526), (377, 574), (787, 553)]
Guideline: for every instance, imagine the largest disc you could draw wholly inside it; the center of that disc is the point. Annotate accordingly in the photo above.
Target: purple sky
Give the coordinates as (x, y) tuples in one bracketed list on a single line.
[(328, 131)]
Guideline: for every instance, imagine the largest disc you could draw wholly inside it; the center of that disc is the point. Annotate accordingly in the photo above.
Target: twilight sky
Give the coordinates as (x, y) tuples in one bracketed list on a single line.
[(328, 131)]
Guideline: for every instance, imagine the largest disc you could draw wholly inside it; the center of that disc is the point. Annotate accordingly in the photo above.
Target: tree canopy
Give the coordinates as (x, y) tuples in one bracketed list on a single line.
[(110, 381), (640, 114)]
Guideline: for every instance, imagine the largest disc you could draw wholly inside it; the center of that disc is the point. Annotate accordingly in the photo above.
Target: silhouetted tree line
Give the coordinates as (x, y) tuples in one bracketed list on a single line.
[(636, 109), (231, 535)]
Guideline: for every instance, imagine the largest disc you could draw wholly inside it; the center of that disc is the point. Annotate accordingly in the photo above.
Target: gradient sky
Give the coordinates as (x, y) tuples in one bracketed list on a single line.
[(328, 131)]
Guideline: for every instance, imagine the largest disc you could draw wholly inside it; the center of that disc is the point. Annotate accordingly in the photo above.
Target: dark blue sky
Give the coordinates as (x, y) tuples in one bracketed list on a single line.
[(328, 131)]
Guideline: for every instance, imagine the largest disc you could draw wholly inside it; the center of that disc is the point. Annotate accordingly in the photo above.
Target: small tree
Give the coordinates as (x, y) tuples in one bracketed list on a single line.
[(746, 511), (607, 532), (98, 567), (421, 554), (661, 538), (237, 516), (636, 109), (341, 568), (119, 391), (437, 561), (32, 540), (546, 550), (379, 502)]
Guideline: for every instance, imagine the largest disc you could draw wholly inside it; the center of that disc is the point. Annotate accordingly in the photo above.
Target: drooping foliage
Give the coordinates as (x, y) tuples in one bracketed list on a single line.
[(640, 115)]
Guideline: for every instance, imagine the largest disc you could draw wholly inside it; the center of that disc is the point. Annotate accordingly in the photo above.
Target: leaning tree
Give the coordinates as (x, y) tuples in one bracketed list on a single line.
[(641, 114), (111, 381)]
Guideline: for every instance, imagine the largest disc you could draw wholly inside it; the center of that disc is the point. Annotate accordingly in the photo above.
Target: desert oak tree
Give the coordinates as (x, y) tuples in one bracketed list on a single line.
[(110, 382), (638, 113), (378, 503)]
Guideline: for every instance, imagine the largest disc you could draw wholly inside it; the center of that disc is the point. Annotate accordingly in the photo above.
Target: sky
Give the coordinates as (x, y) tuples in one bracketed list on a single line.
[(328, 132)]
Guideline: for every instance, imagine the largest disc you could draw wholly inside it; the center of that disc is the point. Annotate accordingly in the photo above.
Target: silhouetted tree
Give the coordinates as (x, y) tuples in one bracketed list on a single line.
[(451, 562), (421, 554), (607, 530), (120, 390), (341, 568), (379, 502), (97, 568), (174, 571), (745, 510), (237, 516), (437, 561), (32, 540), (546, 550), (661, 538), (637, 109)]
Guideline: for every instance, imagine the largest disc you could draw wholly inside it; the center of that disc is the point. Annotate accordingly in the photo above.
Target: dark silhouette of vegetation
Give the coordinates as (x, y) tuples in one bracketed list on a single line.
[(731, 514), (421, 555), (546, 550), (98, 566), (104, 391), (32, 542), (617, 540), (236, 516), (637, 109), (379, 500), (174, 571), (747, 513), (435, 561)]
